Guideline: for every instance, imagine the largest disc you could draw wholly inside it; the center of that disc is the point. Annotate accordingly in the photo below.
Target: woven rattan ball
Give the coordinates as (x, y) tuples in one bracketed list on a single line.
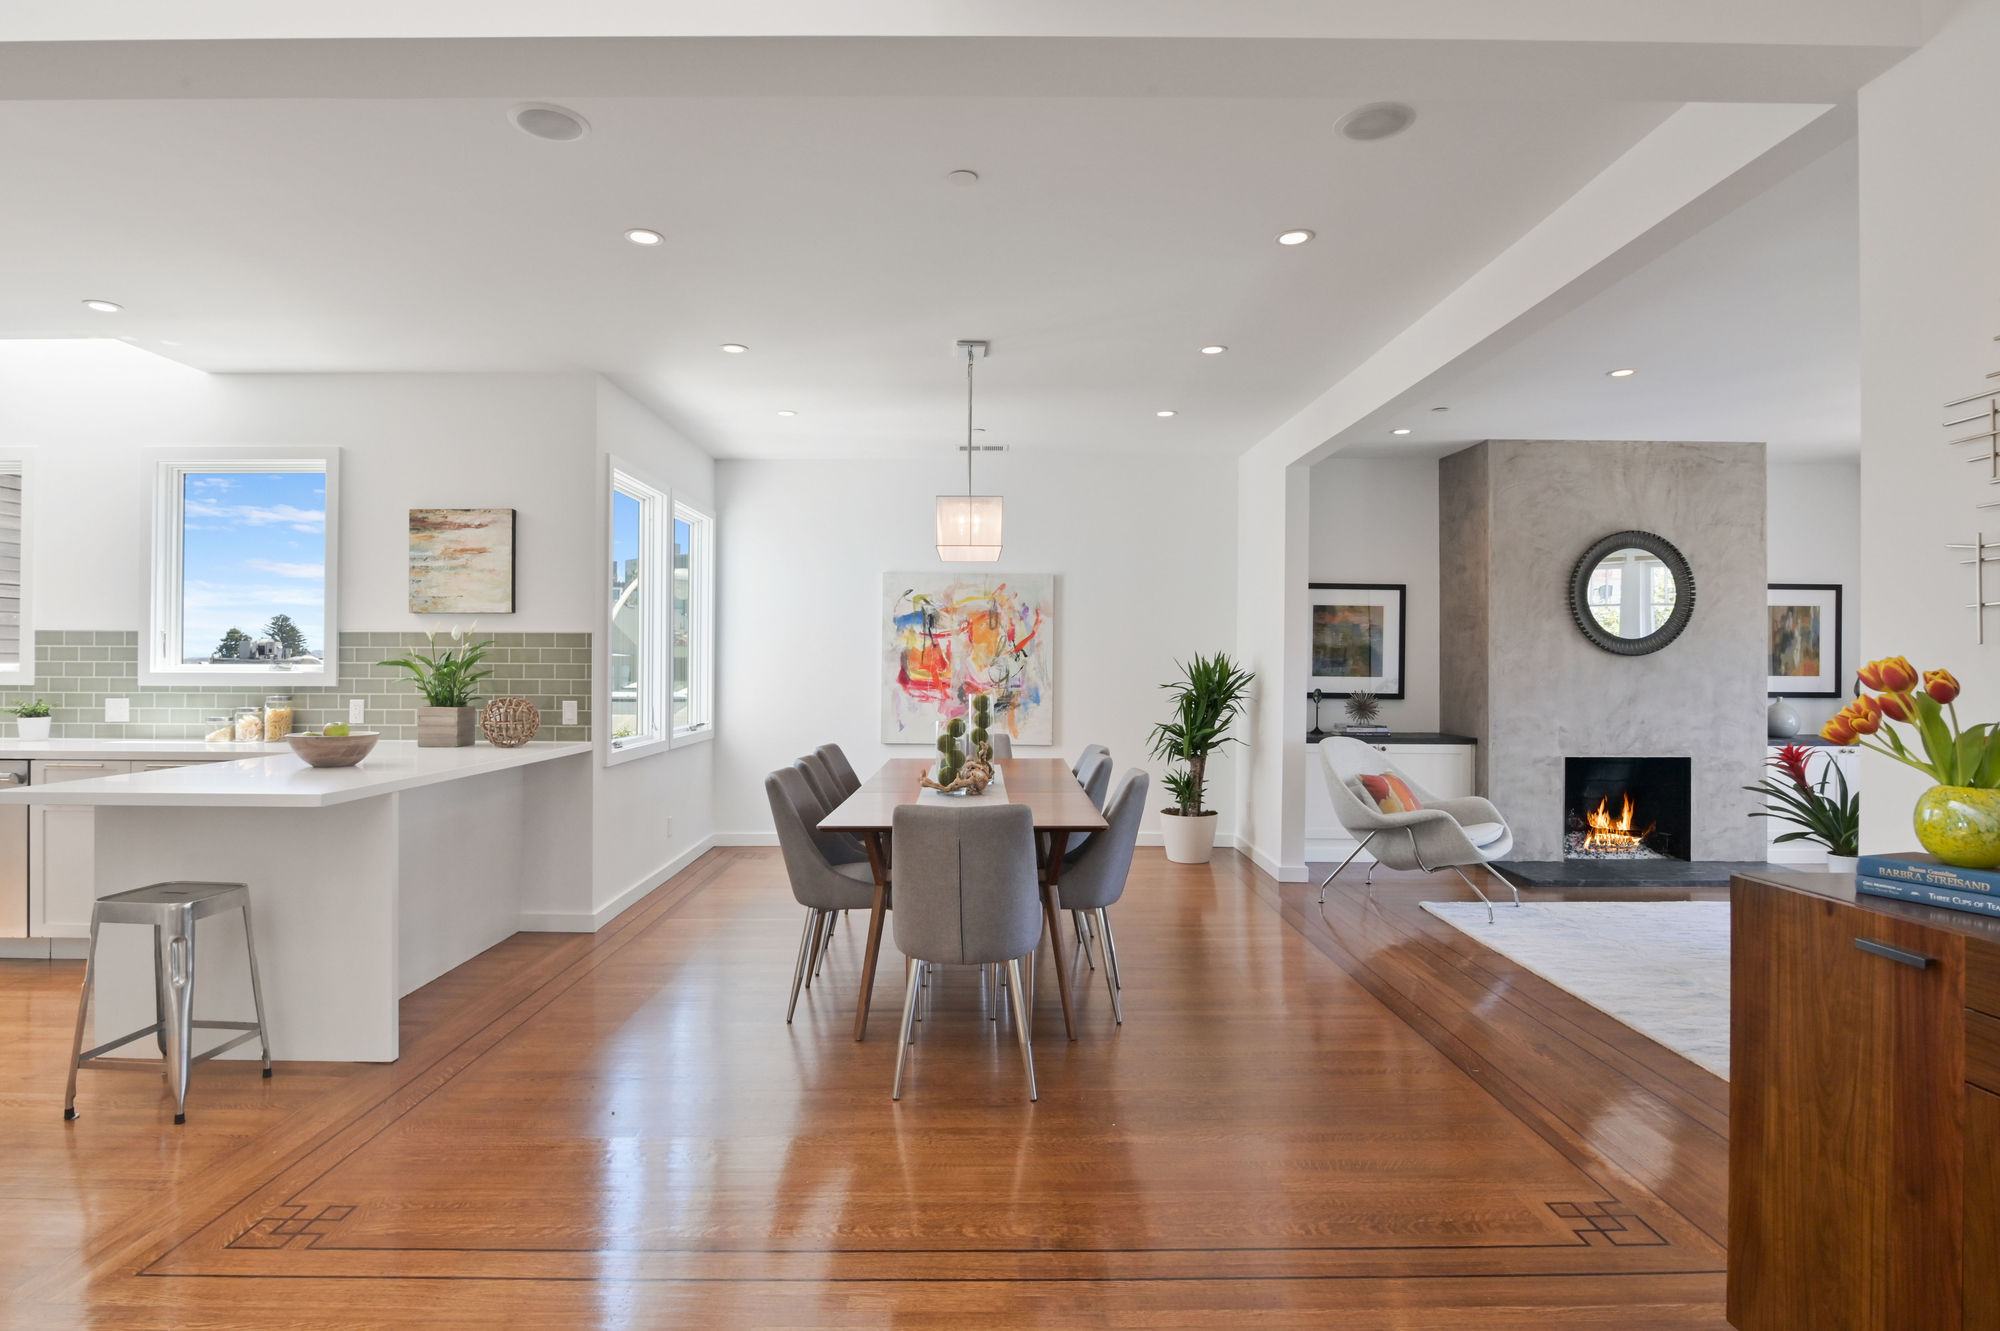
[(510, 722)]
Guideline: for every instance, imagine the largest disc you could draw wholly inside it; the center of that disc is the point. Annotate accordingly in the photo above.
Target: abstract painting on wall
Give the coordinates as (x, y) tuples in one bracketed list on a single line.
[(1358, 638), (949, 636), (1805, 640), (462, 561)]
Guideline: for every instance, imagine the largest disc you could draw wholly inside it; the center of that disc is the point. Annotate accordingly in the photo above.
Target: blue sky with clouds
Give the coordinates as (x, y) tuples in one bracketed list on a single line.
[(253, 545)]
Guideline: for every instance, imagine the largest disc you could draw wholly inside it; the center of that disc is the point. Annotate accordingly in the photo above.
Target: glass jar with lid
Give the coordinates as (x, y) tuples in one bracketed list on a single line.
[(277, 716), (219, 728), (249, 724)]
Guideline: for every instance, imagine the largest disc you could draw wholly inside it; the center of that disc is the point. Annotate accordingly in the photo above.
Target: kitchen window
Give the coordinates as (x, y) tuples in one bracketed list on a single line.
[(244, 568), (17, 633), (694, 618), (636, 669)]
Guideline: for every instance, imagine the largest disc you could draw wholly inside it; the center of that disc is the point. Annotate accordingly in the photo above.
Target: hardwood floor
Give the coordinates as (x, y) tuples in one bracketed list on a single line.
[(1351, 1116)]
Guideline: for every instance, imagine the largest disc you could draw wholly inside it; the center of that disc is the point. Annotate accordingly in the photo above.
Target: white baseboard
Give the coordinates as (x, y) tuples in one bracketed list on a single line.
[(43, 949), (1284, 873), (1333, 851), (578, 922)]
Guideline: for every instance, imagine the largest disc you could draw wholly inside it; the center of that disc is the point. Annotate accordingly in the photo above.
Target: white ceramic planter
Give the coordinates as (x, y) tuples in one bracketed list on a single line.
[(33, 727), (1842, 863), (1188, 840)]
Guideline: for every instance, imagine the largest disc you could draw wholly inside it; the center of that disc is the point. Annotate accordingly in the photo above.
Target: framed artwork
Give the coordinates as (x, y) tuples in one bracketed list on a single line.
[(950, 635), (1358, 637), (1805, 640), (461, 561)]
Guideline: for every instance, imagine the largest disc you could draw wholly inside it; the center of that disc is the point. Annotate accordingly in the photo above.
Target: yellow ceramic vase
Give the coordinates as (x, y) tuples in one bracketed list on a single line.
[(1960, 825)]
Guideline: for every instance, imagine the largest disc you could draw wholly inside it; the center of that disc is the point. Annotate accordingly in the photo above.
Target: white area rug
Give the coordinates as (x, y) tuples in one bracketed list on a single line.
[(1661, 967)]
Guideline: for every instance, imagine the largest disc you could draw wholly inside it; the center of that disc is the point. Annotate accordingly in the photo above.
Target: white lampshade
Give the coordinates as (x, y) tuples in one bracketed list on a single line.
[(968, 528)]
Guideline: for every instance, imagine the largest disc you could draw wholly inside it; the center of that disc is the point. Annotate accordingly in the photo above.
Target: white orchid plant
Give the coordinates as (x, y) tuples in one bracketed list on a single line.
[(447, 677)]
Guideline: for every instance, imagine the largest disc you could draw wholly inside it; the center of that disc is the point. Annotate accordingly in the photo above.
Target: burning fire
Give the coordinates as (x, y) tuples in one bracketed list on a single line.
[(1608, 832)]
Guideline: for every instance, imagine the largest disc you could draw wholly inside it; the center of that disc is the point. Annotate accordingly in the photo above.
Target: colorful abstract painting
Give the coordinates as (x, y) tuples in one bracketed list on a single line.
[(952, 635), (462, 561)]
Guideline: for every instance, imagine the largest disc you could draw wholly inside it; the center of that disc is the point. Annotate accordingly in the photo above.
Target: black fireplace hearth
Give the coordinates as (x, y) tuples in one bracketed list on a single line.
[(1623, 809)]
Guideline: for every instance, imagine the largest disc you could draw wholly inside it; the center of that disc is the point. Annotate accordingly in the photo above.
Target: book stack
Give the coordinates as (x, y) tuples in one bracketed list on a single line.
[(1365, 732), (1923, 879)]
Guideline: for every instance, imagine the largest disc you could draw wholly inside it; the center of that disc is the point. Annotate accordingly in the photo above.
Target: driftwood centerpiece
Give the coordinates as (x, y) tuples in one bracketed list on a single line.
[(973, 778)]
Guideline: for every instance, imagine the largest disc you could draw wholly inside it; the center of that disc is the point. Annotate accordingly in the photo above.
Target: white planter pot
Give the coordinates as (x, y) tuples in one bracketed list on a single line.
[(1842, 863), (1188, 840), (33, 727)]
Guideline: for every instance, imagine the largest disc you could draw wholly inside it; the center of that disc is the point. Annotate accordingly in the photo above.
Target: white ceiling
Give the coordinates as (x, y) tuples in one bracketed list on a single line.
[(1108, 239), (1747, 331)]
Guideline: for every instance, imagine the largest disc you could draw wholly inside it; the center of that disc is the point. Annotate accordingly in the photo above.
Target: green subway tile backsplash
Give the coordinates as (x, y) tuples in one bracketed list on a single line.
[(77, 669)]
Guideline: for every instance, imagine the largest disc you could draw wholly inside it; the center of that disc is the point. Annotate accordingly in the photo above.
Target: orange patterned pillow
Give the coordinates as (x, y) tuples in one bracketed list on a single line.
[(1391, 793)]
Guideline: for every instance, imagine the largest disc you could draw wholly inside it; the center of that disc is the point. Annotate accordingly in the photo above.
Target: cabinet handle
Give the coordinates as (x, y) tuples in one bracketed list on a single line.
[(73, 767), (1900, 955)]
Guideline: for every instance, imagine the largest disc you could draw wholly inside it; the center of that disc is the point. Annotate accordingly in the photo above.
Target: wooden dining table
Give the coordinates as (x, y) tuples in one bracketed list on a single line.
[(1045, 785)]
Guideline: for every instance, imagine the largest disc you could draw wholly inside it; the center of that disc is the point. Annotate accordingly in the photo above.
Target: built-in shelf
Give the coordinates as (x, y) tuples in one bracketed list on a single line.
[(1396, 737)]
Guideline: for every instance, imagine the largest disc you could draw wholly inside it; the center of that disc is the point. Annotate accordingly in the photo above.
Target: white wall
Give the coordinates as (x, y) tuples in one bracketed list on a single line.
[(535, 443), (1143, 559), (1272, 500), (652, 815), (1376, 520), (1813, 525), (1930, 307)]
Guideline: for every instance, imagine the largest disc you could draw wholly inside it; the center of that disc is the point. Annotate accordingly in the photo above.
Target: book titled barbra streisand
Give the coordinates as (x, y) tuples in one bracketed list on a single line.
[(1923, 879)]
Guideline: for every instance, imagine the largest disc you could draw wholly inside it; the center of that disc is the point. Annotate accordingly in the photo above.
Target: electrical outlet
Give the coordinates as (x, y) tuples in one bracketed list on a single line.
[(357, 711), (569, 711), (117, 710)]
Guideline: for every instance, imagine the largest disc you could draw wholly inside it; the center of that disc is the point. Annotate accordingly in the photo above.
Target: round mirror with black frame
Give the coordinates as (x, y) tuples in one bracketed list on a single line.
[(1632, 593)]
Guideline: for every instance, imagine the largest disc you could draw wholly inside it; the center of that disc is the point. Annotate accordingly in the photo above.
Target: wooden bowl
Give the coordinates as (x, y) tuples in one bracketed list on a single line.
[(334, 750)]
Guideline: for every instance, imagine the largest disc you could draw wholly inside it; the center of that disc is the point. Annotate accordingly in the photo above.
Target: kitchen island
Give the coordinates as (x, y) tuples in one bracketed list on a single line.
[(366, 882)]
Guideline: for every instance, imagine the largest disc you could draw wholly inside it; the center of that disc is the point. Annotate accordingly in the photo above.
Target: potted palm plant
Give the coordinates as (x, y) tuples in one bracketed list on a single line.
[(1207, 698), (446, 679)]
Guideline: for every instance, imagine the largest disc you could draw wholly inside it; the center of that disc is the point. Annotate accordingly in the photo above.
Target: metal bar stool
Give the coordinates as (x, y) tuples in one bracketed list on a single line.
[(172, 909)]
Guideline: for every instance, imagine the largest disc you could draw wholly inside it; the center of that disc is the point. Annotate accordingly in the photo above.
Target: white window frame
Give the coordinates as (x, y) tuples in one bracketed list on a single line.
[(656, 577), (20, 462), (701, 626), (159, 650)]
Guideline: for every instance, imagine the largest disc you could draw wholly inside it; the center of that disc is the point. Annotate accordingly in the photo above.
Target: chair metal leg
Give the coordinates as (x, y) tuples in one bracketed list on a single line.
[(1481, 895), (82, 1009), (1083, 936), (1110, 947), (799, 967), (159, 994), (1110, 981), (823, 942), (256, 988), (177, 959), (909, 1025), (1343, 864), (1021, 1027)]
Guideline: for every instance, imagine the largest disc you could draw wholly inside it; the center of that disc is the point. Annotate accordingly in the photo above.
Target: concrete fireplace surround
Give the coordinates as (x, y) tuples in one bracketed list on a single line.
[(1513, 517)]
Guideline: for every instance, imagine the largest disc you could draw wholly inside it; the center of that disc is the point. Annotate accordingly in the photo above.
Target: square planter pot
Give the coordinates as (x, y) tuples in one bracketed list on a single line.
[(446, 727), (33, 727)]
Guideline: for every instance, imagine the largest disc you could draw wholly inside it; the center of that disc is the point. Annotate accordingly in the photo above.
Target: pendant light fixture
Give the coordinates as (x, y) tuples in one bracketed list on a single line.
[(968, 525)]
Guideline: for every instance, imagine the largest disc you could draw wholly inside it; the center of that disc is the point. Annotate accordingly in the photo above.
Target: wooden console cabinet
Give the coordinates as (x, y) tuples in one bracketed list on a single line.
[(1864, 1116)]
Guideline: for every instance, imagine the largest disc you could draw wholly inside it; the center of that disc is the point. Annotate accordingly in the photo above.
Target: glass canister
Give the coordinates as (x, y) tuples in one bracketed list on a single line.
[(249, 724), (218, 729), (277, 715)]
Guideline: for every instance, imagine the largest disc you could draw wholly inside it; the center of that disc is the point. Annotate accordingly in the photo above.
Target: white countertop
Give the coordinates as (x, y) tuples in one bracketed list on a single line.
[(134, 750), (281, 780)]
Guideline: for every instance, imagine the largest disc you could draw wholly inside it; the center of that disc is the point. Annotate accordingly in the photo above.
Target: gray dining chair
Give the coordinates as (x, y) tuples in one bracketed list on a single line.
[(824, 888), (1093, 772), (1003, 745), (825, 785), (840, 847), (1094, 880), (843, 771), (967, 894), (1089, 755)]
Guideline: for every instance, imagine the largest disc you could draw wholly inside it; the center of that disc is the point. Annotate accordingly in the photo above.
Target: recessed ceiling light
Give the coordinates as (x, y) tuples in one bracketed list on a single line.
[(1298, 237), (1621, 374), (558, 124), (734, 348), (103, 306), (1404, 430), (1163, 413), (1377, 120), (788, 413), (1213, 349), (640, 235), (963, 177)]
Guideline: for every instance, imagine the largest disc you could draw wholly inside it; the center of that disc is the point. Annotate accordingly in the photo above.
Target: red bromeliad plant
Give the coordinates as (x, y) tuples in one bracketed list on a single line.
[(1830, 817), (1951, 754)]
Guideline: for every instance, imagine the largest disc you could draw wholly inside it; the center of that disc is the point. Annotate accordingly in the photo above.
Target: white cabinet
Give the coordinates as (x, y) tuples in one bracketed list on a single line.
[(62, 852), (1445, 770), (1809, 852)]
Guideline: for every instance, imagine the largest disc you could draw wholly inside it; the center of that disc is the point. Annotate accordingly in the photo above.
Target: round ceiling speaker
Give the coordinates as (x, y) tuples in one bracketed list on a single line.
[(1377, 120), (555, 123)]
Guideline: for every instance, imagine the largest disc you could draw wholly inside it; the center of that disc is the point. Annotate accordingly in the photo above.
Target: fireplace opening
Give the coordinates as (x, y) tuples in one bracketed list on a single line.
[(1627, 809)]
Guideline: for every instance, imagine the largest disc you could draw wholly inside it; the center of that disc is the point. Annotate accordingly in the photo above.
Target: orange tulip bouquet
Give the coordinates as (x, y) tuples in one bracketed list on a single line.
[(1958, 819)]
